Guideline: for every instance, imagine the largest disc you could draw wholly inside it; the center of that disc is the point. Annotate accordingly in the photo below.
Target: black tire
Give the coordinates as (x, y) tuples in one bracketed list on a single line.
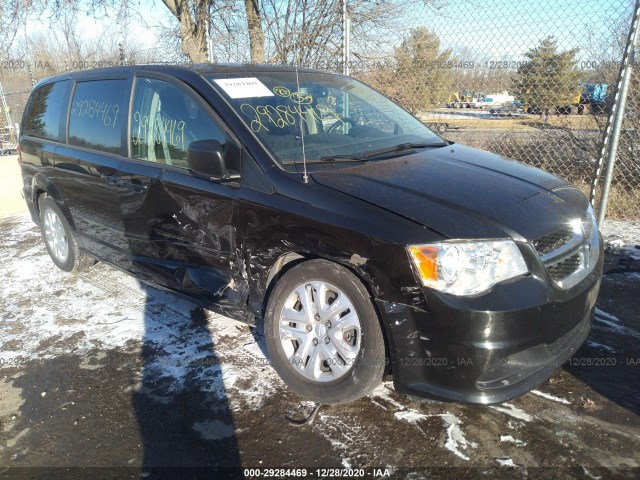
[(365, 370), (76, 260)]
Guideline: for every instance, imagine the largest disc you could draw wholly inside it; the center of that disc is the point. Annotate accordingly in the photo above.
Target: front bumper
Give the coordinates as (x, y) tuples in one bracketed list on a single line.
[(492, 348)]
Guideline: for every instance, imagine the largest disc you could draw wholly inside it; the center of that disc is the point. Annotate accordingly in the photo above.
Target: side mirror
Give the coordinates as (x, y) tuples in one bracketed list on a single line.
[(205, 158)]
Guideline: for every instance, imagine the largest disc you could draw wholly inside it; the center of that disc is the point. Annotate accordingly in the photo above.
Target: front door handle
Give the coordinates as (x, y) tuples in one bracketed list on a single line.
[(109, 179), (133, 184)]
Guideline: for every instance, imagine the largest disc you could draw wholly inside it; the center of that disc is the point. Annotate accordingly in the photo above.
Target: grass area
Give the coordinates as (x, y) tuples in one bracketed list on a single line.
[(624, 203)]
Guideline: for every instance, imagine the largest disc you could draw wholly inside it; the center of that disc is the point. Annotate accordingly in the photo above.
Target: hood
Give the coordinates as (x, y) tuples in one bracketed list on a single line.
[(461, 192)]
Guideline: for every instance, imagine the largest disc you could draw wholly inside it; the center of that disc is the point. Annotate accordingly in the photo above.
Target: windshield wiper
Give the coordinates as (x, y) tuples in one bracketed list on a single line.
[(367, 155), (328, 159), (398, 148)]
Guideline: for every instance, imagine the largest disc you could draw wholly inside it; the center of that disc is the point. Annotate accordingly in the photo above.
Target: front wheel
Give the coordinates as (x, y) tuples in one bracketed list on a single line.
[(59, 239), (323, 333)]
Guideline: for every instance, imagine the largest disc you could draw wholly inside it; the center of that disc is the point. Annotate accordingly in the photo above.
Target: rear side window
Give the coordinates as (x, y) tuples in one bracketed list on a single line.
[(97, 112), (164, 122), (46, 109)]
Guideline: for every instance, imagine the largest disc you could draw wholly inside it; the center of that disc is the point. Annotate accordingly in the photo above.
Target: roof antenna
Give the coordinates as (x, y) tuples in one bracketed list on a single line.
[(305, 177)]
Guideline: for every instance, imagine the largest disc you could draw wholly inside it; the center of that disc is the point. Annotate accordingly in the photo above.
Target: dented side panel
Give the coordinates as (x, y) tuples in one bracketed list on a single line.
[(182, 234), (315, 222)]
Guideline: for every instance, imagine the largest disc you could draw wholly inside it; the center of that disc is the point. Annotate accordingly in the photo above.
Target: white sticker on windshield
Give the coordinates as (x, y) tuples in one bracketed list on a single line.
[(244, 87)]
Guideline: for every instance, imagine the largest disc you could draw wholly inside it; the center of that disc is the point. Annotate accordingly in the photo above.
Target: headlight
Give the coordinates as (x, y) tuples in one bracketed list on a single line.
[(590, 223), (467, 268)]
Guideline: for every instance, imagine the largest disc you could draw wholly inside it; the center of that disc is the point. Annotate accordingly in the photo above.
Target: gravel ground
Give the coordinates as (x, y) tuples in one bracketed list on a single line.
[(98, 370)]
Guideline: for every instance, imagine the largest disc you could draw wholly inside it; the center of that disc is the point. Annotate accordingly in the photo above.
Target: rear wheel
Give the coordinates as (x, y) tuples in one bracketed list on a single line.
[(59, 239), (323, 334)]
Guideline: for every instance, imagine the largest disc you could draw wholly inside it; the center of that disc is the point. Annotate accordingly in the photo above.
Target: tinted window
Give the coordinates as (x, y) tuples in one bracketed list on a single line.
[(165, 120), (97, 110), (42, 118)]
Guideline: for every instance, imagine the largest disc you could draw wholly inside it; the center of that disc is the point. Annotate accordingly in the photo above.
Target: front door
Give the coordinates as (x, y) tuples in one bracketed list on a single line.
[(181, 229)]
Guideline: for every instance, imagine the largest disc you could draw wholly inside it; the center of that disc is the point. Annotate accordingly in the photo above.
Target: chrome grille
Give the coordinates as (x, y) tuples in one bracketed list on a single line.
[(564, 268), (570, 253), (551, 242)]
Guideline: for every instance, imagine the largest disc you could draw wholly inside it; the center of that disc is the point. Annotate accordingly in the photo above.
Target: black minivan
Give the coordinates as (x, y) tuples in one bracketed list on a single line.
[(366, 242)]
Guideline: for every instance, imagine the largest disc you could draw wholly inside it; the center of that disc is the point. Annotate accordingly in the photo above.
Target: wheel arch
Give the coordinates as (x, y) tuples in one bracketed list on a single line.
[(42, 185), (290, 259)]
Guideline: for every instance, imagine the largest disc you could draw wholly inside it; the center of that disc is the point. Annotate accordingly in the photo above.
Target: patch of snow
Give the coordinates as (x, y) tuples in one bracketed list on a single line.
[(46, 313), (343, 437), (506, 462), (631, 252), (384, 392), (510, 439), (254, 349), (548, 396), (626, 230), (214, 429), (411, 416), (606, 348), (605, 315), (590, 475), (455, 436), (613, 324), (513, 411), (456, 439), (379, 405), (514, 425)]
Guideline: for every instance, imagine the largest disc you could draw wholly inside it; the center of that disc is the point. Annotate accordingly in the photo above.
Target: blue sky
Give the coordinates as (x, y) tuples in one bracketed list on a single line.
[(511, 27)]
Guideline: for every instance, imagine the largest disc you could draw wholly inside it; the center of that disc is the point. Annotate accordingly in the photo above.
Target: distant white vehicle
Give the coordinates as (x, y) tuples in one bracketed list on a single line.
[(495, 100)]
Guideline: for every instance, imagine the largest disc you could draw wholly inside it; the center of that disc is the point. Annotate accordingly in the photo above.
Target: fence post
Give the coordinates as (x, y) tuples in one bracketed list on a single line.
[(346, 40), (618, 116)]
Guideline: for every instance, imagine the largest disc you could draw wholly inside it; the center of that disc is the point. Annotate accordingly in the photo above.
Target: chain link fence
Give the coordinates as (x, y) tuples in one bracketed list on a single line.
[(616, 185), (533, 81), (623, 210)]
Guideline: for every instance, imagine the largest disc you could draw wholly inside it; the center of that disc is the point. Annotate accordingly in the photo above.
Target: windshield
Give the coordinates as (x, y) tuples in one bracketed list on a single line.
[(340, 118)]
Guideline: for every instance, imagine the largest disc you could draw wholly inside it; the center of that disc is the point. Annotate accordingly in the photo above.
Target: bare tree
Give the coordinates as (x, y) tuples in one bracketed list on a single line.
[(12, 15), (282, 31), (302, 31), (256, 35), (193, 17), (309, 32)]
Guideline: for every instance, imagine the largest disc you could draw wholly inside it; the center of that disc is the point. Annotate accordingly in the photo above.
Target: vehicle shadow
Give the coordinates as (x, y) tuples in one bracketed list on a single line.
[(180, 402)]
